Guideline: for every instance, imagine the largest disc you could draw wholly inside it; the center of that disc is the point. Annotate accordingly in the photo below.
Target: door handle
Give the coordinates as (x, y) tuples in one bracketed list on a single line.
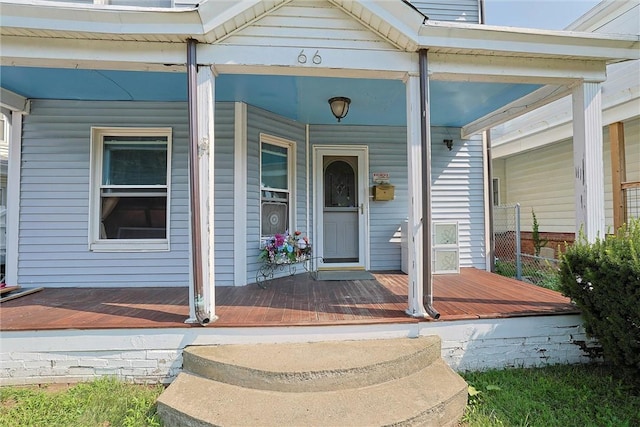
[(362, 208)]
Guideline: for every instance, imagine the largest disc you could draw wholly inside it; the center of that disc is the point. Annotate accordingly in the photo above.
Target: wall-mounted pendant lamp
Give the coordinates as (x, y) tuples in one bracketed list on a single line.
[(339, 106)]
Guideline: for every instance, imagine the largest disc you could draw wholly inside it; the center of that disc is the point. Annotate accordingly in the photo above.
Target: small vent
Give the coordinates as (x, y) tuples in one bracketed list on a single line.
[(274, 218)]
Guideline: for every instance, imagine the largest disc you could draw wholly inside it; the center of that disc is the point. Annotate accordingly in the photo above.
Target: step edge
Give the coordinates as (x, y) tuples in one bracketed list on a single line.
[(312, 380), (449, 409)]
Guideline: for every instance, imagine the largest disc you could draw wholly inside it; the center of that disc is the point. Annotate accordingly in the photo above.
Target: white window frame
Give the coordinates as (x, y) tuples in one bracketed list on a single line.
[(96, 244), (450, 248), (291, 177), (495, 188)]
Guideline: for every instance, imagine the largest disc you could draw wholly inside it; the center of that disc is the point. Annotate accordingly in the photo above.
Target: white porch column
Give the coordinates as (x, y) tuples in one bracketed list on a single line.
[(588, 160), (414, 171), (206, 106)]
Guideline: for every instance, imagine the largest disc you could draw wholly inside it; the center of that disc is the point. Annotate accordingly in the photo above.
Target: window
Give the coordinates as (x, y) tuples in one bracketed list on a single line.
[(276, 185), (130, 189), (495, 188)]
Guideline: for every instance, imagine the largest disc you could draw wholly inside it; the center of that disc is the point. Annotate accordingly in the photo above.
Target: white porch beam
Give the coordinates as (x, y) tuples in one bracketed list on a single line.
[(543, 96), (588, 160), (92, 54), (13, 102), (13, 199), (509, 41), (326, 59), (414, 171), (510, 69)]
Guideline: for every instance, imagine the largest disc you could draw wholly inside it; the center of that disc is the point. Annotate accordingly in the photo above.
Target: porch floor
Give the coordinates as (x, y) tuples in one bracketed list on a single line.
[(291, 301)]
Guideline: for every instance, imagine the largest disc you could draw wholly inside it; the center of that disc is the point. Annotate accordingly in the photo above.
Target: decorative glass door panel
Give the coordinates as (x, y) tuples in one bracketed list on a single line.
[(340, 209)]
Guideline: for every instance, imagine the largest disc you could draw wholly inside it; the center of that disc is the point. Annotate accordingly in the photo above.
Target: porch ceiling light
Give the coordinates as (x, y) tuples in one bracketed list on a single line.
[(339, 106)]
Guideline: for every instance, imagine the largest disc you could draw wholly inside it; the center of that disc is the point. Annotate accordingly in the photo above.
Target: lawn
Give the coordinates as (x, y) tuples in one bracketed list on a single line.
[(575, 395), (579, 395)]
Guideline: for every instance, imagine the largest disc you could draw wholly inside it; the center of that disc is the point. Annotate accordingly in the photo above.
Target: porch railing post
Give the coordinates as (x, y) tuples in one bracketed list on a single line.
[(518, 243)]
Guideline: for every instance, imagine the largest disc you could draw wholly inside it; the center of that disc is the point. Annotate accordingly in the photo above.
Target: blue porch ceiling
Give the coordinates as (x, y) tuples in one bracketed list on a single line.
[(304, 99)]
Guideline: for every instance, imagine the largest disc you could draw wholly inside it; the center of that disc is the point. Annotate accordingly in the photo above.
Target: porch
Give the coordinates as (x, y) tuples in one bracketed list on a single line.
[(138, 334), (290, 301)]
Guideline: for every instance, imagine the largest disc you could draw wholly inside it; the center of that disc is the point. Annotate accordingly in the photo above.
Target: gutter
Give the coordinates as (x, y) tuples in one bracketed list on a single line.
[(425, 140)]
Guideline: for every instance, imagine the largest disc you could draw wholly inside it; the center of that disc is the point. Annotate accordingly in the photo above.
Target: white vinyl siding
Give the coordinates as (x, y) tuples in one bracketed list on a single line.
[(224, 181), (54, 199), (387, 153), (309, 23), (457, 193), (528, 176)]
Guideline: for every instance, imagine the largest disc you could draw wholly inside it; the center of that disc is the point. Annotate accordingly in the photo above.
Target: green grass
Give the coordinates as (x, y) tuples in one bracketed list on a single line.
[(102, 403), (563, 396), (566, 396)]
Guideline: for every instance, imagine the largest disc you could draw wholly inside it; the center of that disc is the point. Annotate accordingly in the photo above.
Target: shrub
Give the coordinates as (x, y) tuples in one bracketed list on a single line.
[(603, 279)]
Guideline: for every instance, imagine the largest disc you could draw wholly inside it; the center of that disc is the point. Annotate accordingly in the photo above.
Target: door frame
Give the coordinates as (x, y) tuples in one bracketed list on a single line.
[(362, 153)]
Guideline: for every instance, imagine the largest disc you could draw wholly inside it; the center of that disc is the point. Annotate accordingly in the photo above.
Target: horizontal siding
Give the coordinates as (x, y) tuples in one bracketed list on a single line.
[(527, 179), (223, 196), (528, 176), (458, 191), (308, 23), (54, 204), (452, 10)]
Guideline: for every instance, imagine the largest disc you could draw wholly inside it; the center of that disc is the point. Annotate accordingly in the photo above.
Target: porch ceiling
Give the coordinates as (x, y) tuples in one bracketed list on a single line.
[(304, 99)]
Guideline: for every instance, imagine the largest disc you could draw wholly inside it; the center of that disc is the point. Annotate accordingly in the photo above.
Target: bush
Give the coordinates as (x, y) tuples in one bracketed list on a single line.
[(603, 279)]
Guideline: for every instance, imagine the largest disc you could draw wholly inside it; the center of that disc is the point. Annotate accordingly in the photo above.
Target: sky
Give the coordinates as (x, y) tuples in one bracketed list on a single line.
[(545, 14)]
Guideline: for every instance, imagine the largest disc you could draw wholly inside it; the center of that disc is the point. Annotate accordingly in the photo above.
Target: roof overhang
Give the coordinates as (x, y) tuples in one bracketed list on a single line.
[(213, 21)]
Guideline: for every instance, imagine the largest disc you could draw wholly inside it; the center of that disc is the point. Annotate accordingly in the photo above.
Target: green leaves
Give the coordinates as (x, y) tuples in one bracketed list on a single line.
[(603, 279)]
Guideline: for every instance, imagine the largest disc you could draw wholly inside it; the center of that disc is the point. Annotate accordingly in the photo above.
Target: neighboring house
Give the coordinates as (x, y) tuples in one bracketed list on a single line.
[(533, 155), (103, 121)]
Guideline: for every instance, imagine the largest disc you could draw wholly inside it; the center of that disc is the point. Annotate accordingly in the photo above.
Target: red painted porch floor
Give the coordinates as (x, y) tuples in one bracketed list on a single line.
[(290, 301)]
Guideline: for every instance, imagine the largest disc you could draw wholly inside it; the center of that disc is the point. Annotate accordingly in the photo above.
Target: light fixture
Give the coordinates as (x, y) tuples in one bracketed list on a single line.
[(339, 106), (448, 143)]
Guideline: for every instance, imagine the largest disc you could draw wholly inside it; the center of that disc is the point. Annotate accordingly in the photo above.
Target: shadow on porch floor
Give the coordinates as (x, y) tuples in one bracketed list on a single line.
[(290, 301)]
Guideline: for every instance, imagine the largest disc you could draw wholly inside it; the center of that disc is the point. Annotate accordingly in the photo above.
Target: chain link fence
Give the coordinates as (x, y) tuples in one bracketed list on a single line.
[(510, 261)]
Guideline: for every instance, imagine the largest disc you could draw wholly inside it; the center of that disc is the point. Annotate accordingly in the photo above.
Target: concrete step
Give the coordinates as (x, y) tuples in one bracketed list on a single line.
[(320, 366), (316, 384)]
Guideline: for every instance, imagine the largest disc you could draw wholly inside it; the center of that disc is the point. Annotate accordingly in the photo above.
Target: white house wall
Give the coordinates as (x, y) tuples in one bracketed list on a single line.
[(314, 23), (457, 191), (321, 32), (224, 191), (54, 197), (54, 206), (542, 179), (387, 153), (261, 121)]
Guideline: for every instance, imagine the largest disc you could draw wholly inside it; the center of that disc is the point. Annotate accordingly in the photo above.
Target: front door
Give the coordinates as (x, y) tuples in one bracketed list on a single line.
[(341, 201)]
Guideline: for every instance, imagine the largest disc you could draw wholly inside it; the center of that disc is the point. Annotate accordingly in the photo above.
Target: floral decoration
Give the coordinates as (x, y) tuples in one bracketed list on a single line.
[(286, 248)]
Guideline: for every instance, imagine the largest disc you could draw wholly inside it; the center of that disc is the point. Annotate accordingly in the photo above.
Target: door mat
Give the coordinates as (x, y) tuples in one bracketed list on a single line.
[(330, 275)]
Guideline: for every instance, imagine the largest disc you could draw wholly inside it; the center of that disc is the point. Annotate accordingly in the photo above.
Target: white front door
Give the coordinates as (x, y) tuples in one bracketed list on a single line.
[(341, 201)]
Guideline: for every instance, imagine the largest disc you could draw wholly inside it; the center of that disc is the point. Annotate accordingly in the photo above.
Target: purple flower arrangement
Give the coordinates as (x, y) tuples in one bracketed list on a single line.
[(285, 248)]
